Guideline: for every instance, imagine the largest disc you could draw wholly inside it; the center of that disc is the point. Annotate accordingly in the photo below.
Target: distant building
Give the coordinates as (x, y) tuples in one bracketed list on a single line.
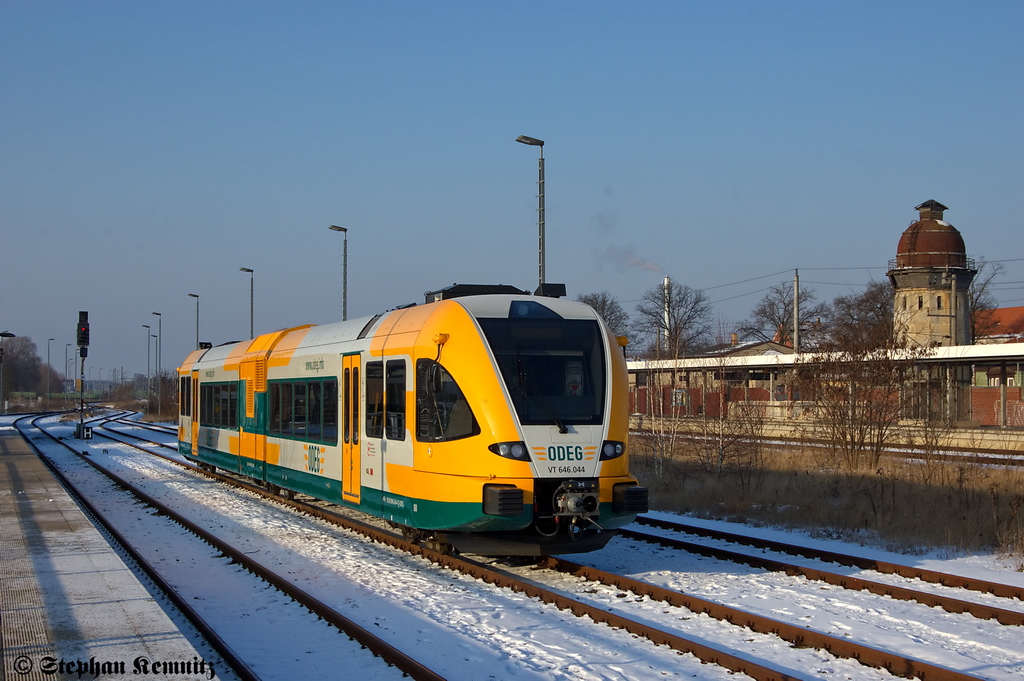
[(931, 276), (1001, 325)]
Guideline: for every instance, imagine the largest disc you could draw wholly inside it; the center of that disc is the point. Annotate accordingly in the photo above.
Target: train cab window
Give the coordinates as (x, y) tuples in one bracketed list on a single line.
[(442, 412), (375, 399), (395, 400)]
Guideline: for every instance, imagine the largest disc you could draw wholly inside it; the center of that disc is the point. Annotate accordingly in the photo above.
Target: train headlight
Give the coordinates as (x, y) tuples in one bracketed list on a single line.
[(612, 449), (511, 450)]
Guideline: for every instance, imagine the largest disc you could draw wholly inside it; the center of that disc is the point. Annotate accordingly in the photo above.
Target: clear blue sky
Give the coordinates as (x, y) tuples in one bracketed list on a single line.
[(148, 150)]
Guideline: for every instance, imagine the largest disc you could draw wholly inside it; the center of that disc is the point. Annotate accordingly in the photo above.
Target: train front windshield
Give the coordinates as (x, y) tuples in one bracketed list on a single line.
[(554, 369)]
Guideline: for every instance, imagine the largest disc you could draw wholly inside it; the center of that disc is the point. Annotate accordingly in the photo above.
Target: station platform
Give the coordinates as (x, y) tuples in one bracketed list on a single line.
[(69, 606)]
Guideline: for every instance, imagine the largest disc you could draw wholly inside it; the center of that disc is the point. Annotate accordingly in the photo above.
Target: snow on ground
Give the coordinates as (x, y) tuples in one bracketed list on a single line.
[(468, 630)]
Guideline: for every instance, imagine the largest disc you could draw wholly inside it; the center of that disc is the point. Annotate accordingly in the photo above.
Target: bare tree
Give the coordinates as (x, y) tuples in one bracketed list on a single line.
[(606, 305), (982, 301), (675, 319), (855, 387), (22, 366), (772, 318), (863, 319)]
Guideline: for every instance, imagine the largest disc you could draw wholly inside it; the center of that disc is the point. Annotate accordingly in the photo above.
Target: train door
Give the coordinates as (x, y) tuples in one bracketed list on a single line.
[(195, 414), (350, 427), (387, 439)]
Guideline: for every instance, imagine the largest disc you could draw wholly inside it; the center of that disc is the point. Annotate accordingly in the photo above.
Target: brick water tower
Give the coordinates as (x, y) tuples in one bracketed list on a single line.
[(931, 276)]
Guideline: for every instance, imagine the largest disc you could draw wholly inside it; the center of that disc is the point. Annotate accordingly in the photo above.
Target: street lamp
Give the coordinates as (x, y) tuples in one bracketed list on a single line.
[(196, 296), (4, 334), (344, 271), (246, 269), (148, 386), (533, 142), (159, 350), (48, 370), (66, 374)]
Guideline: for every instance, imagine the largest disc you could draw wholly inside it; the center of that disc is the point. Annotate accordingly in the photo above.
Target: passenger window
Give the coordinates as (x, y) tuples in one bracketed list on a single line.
[(286, 409), (275, 409), (299, 409), (395, 400), (233, 406), (330, 420), (375, 399), (313, 411)]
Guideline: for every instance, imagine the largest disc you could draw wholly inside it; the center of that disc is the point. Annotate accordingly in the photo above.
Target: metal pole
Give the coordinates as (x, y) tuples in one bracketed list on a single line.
[(344, 270), (159, 350), (5, 334), (246, 269), (66, 373), (48, 370), (344, 278), (193, 295), (540, 213), (81, 397), (148, 385), (534, 142), (796, 310)]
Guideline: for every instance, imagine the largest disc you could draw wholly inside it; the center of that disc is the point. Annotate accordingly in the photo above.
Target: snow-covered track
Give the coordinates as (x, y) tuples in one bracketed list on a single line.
[(910, 572), (361, 635), (797, 634), (801, 636), (238, 666)]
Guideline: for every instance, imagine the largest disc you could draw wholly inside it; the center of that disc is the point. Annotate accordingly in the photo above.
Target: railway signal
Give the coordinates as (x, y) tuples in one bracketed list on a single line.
[(82, 334)]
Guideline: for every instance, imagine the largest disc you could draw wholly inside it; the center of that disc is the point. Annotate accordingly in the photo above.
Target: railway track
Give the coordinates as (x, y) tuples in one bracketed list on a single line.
[(948, 603), (365, 638), (794, 634)]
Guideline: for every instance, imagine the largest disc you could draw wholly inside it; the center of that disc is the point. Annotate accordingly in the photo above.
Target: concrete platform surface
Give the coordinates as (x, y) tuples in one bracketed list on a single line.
[(69, 606)]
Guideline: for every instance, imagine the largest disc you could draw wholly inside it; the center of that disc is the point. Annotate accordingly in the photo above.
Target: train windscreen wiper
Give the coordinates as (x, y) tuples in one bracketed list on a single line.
[(524, 389)]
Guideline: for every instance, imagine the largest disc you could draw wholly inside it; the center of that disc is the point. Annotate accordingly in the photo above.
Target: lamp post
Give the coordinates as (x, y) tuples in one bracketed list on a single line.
[(196, 296), (5, 334), (149, 403), (533, 142), (344, 270), (246, 269), (148, 386), (159, 349), (48, 370), (66, 374)]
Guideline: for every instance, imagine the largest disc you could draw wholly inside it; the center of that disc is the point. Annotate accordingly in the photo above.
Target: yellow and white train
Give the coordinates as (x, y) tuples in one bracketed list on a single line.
[(494, 423)]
